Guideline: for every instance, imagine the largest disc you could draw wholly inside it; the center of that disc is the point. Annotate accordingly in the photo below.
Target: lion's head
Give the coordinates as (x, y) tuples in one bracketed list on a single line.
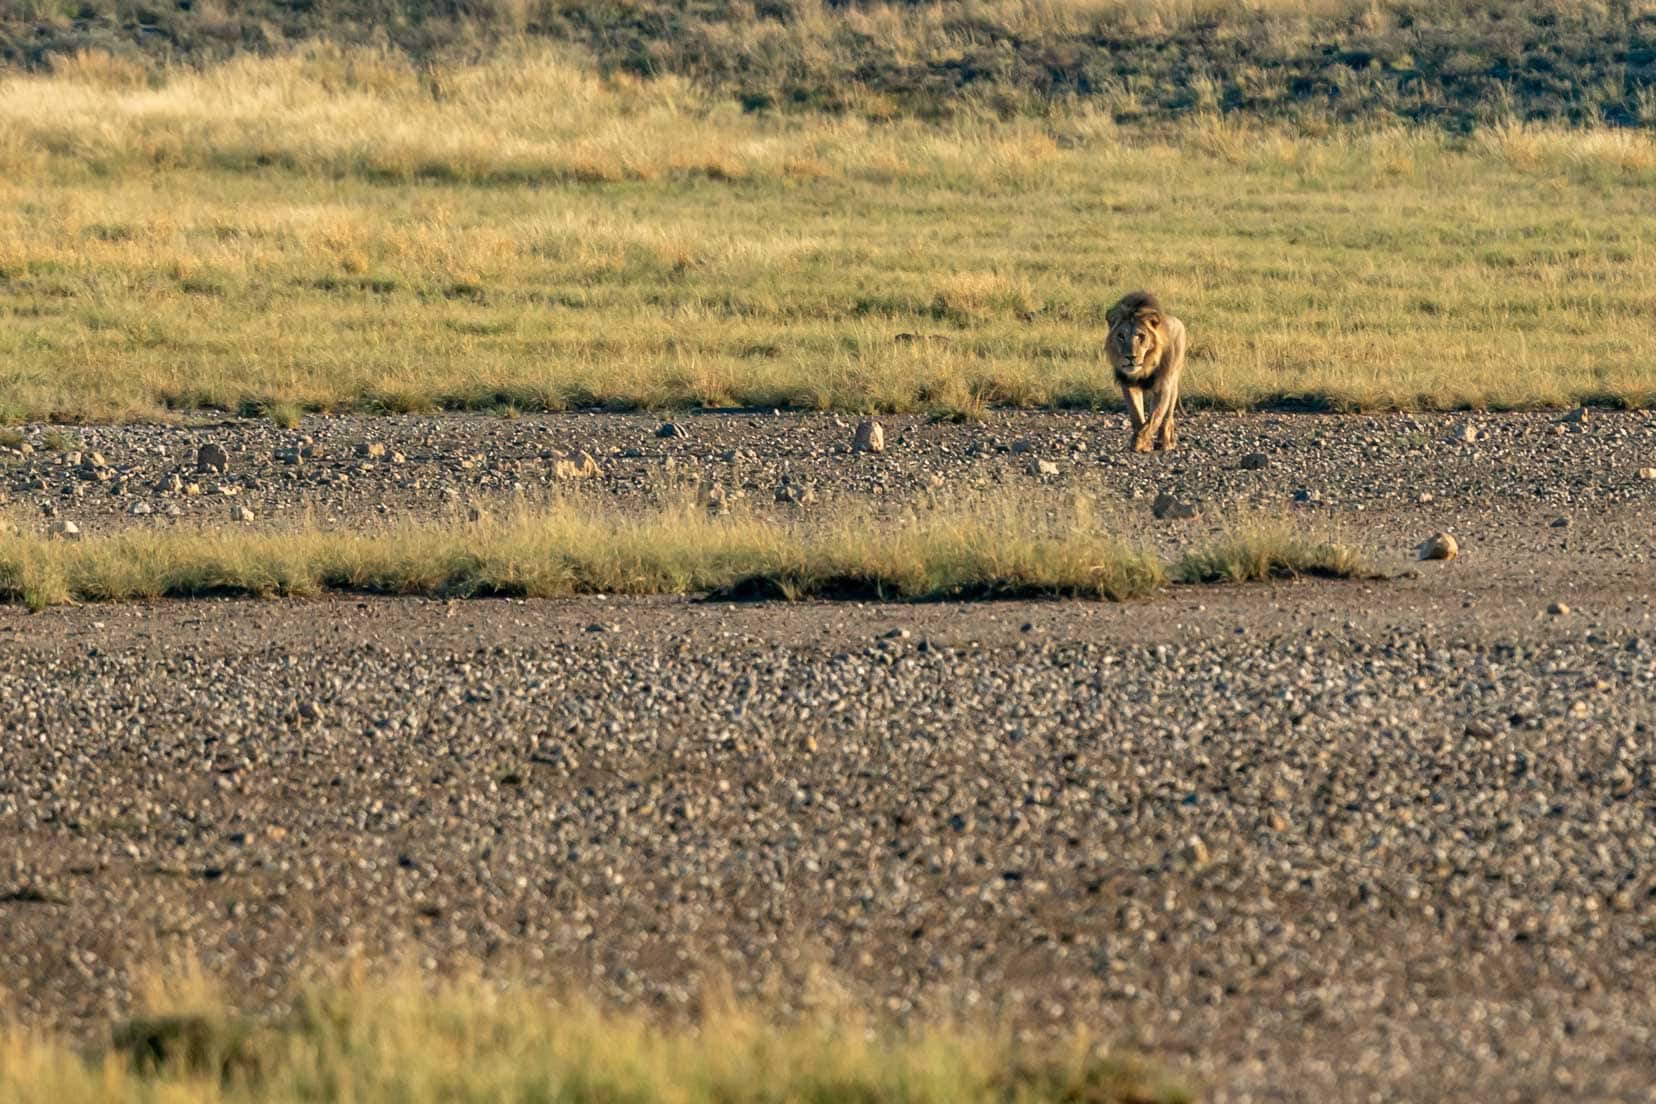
[(1136, 339)]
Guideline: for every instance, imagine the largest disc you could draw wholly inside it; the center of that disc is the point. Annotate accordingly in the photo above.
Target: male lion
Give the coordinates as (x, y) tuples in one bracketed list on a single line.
[(1147, 349)]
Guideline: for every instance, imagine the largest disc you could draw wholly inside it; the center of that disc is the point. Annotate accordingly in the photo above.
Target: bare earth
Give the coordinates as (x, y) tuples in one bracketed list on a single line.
[(1311, 841)]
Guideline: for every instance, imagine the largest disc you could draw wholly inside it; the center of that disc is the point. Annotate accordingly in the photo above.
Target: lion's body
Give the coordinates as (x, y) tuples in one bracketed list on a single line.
[(1146, 347)]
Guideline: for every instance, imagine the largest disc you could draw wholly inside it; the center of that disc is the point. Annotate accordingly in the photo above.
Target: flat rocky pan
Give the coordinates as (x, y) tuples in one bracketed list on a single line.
[(1308, 841), (1517, 472)]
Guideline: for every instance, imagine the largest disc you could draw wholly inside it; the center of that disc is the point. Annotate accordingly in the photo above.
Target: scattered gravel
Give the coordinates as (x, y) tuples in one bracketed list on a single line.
[(1399, 474), (1314, 842)]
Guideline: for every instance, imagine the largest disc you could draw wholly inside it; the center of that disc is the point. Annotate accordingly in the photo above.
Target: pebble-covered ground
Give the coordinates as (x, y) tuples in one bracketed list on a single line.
[(1439, 470), (1320, 841)]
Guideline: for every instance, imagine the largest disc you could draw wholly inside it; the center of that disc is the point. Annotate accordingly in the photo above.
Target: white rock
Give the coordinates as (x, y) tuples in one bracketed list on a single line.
[(1439, 546), (870, 437)]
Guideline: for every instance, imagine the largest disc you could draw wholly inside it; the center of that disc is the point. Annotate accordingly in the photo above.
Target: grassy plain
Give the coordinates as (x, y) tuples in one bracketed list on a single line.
[(342, 230), (987, 547), (395, 1041)]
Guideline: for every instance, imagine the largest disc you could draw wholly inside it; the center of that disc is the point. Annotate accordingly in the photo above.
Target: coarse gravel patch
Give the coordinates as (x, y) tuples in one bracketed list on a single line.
[(1312, 841)]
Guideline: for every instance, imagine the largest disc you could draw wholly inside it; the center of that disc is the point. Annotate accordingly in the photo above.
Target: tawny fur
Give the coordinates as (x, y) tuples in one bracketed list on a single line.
[(1146, 347)]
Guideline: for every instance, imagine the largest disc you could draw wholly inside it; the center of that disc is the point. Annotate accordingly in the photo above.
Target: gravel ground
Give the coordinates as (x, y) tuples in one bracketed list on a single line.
[(1316, 841), (1520, 469)]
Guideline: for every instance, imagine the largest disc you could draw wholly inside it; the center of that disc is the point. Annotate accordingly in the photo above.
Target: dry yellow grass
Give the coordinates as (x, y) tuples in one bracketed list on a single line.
[(337, 230), (397, 1042), (982, 548)]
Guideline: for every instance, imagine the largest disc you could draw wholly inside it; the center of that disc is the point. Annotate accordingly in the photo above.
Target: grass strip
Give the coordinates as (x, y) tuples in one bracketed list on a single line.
[(987, 549), (391, 1041)]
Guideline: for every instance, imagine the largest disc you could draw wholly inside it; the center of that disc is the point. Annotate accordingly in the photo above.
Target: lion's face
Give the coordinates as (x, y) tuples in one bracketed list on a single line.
[(1134, 342)]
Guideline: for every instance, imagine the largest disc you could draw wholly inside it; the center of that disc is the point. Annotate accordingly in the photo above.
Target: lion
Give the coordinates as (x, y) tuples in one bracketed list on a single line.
[(1146, 346)]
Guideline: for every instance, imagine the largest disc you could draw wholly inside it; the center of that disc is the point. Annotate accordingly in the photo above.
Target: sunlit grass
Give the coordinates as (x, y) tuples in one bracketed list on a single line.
[(1254, 550), (398, 1042), (983, 548), (320, 232)]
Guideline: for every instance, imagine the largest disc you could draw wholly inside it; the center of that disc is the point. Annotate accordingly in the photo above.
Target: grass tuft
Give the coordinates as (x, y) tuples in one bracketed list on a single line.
[(285, 415), (1255, 551)]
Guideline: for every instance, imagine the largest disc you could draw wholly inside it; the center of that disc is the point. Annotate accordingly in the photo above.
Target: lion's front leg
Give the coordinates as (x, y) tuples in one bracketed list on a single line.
[(1169, 436), (1158, 428), (1135, 414)]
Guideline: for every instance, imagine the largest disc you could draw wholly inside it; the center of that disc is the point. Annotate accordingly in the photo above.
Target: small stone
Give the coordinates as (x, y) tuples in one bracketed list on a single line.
[(1647, 473), (191, 490), (141, 509), (212, 458), (1196, 852), (1558, 609), (66, 530), (1042, 467), (240, 513), (1439, 546), (870, 437), (1255, 461), (370, 450), (309, 712), (1560, 523), (1302, 495), (672, 429), (289, 456), (1169, 508), (398, 458)]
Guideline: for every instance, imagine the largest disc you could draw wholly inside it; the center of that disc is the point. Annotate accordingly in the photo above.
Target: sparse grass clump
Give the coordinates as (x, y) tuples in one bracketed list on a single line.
[(400, 1043), (1254, 551), (995, 548), (285, 415)]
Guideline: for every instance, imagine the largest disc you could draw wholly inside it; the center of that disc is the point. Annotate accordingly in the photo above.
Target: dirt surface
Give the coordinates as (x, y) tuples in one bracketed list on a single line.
[(1520, 468), (1308, 841)]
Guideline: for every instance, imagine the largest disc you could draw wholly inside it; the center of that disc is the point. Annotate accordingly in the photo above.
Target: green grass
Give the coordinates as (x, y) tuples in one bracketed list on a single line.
[(399, 1043), (986, 548), (321, 231)]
